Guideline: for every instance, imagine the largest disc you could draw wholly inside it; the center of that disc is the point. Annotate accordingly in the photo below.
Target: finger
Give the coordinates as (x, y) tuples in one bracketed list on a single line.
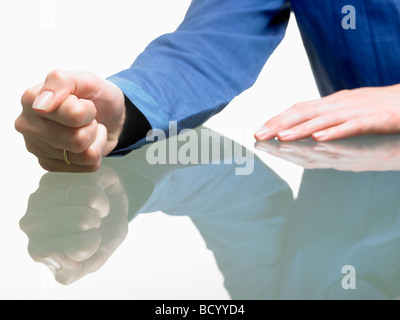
[(29, 96), (276, 147), (72, 270), (52, 165), (108, 179), (74, 112), (62, 220), (284, 151), (64, 269), (85, 266), (320, 122), (302, 112), (93, 197), (329, 115), (339, 149), (67, 270), (300, 154), (61, 84), (350, 128), (48, 202), (63, 181), (294, 115), (78, 246), (60, 182), (91, 156), (269, 146), (83, 246), (56, 135)]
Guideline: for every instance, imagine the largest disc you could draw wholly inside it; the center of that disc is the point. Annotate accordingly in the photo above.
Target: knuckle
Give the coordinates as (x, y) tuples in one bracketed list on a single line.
[(24, 224), (24, 125), (61, 77), (65, 279), (28, 128), (298, 106), (359, 127), (45, 165), (31, 148), (19, 124), (391, 120), (77, 115), (92, 155), (88, 221), (79, 140), (56, 75), (293, 115), (299, 109), (95, 167), (28, 97)]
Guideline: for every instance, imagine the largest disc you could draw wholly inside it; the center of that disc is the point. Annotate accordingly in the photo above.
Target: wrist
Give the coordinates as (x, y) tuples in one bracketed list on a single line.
[(135, 126)]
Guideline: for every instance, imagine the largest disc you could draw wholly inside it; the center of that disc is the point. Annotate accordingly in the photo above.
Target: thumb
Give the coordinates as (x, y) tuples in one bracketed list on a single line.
[(59, 85)]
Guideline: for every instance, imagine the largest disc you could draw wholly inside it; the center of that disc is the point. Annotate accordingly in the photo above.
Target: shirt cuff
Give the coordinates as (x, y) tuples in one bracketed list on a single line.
[(157, 118), (135, 129)]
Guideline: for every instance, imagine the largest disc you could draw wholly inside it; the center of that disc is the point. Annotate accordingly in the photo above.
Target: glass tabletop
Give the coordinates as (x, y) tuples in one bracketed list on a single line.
[(216, 223)]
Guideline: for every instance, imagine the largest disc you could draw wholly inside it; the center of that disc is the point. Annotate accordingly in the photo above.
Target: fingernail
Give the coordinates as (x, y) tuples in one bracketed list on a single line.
[(43, 101), (285, 134), (262, 132), (51, 263), (320, 135)]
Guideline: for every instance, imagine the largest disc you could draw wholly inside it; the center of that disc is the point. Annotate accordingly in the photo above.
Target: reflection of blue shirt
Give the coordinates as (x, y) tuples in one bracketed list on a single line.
[(269, 245), (221, 46)]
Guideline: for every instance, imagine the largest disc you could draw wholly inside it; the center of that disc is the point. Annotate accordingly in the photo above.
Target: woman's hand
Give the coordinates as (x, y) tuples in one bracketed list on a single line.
[(74, 111), (343, 114)]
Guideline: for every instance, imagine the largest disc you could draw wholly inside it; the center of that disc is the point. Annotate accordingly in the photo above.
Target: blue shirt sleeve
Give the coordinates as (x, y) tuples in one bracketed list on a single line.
[(215, 54)]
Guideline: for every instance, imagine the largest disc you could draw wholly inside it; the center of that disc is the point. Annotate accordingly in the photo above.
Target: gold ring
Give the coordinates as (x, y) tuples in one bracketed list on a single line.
[(65, 154)]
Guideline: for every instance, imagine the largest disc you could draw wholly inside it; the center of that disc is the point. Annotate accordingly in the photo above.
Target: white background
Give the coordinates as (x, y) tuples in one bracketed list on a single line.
[(105, 37)]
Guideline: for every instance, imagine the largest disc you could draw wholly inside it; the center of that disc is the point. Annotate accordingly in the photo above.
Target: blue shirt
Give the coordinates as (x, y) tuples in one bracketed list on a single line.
[(222, 45)]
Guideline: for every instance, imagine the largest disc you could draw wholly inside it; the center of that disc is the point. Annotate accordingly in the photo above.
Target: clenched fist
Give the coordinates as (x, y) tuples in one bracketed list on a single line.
[(72, 120)]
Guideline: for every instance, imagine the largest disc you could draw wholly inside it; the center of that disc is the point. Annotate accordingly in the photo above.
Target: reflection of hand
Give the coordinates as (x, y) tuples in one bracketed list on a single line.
[(74, 111), (369, 153), (343, 114), (75, 222)]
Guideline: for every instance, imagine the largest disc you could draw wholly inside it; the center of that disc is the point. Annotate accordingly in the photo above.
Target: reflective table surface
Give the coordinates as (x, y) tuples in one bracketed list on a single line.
[(136, 230)]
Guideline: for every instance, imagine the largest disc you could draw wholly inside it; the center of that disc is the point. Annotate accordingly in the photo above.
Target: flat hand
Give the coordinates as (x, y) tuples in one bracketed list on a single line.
[(343, 114), (74, 111)]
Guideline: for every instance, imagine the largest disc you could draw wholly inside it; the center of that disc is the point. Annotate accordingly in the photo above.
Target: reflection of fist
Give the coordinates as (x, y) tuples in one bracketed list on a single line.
[(368, 153), (75, 222)]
